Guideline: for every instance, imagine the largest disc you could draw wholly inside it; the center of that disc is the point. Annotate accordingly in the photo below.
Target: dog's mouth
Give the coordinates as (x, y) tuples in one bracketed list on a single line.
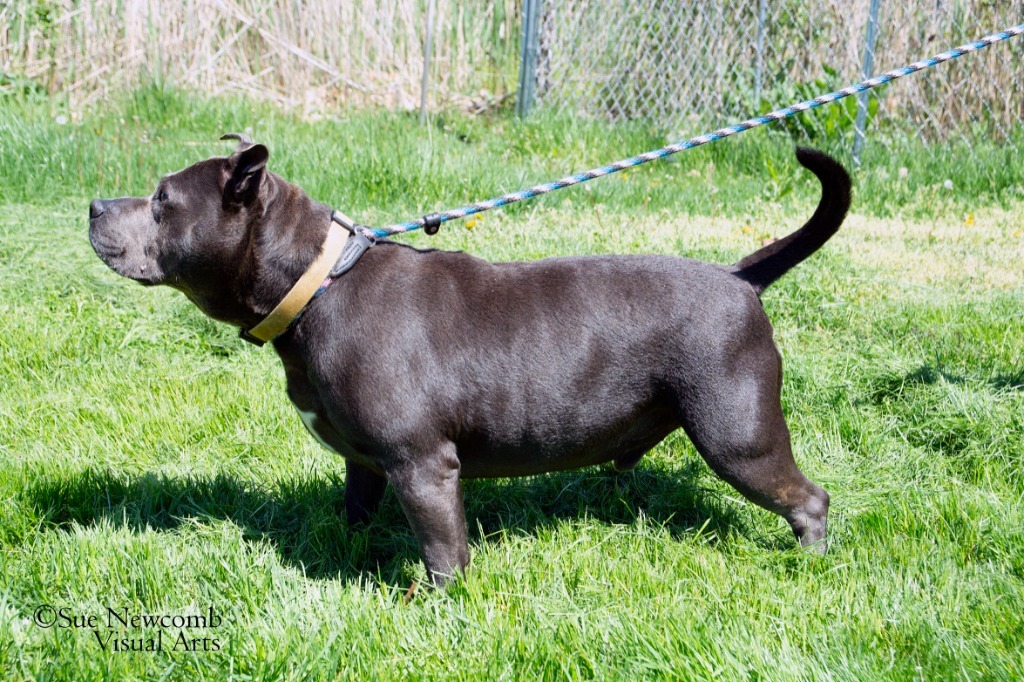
[(107, 249), (118, 257)]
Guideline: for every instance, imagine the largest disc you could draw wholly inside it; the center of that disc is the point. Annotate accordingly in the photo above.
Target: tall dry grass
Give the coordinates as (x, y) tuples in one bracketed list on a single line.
[(313, 54)]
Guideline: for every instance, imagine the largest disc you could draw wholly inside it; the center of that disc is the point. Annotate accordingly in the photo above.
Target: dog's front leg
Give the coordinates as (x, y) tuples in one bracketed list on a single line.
[(429, 489), (364, 489)]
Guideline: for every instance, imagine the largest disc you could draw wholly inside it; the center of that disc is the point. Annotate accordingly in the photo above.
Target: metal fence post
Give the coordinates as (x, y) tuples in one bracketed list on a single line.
[(528, 60), (759, 64), (428, 48), (869, 65)]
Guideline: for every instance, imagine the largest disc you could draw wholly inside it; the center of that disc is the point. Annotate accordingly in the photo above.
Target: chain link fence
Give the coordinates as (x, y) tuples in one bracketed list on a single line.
[(691, 64)]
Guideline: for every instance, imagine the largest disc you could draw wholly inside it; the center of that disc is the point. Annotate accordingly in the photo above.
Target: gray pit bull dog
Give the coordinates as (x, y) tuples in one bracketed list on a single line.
[(423, 367)]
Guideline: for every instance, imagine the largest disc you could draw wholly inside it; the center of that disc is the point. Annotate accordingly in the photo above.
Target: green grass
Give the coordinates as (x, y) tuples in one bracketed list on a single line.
[(385, 168), (150, 460)]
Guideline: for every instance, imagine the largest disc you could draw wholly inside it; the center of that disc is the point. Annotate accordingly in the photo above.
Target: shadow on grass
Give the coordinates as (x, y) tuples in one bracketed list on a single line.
[(304, 519), (893, 385), (1009, 382)]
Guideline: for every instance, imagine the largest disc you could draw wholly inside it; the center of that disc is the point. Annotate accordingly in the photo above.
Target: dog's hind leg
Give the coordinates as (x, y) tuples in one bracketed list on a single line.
[(364, 489), (735, 420), (430, 492), (767, 475)]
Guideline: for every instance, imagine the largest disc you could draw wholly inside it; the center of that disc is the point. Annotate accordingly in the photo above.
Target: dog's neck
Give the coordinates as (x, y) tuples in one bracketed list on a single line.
[(283, 240)]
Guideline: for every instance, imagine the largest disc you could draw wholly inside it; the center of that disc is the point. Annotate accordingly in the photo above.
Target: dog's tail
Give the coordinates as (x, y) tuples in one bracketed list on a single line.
[(766, 265)]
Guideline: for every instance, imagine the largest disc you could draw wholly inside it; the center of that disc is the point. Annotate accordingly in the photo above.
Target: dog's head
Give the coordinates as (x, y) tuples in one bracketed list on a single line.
[(225, 231)]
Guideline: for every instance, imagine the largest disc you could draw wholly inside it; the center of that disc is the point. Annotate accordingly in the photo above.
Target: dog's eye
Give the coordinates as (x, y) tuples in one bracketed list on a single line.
[(162, 197)]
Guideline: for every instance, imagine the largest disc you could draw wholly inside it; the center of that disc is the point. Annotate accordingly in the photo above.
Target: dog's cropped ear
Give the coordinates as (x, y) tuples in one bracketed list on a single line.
[(243, 139), (247, 167)]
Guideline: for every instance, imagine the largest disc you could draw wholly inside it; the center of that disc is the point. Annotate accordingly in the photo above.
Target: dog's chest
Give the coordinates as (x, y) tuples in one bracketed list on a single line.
[(316, 427), (311, 412), (321, 429)]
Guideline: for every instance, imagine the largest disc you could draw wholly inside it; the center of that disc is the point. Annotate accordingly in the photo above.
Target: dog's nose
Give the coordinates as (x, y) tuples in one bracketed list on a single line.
[(97, 208)]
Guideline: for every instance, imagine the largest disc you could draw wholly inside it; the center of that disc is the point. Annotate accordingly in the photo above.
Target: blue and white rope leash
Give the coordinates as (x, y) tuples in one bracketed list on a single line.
[(433, 221)]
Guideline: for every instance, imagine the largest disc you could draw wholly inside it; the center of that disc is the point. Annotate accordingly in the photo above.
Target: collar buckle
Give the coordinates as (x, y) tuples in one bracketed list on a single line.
[(246, 336)]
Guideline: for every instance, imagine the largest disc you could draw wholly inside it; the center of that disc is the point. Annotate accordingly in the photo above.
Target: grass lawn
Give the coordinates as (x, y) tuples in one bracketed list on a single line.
[(150, 462)]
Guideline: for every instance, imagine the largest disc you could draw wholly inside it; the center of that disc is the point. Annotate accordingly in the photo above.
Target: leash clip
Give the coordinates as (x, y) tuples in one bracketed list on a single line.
[(356, 245), (343, 220)]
